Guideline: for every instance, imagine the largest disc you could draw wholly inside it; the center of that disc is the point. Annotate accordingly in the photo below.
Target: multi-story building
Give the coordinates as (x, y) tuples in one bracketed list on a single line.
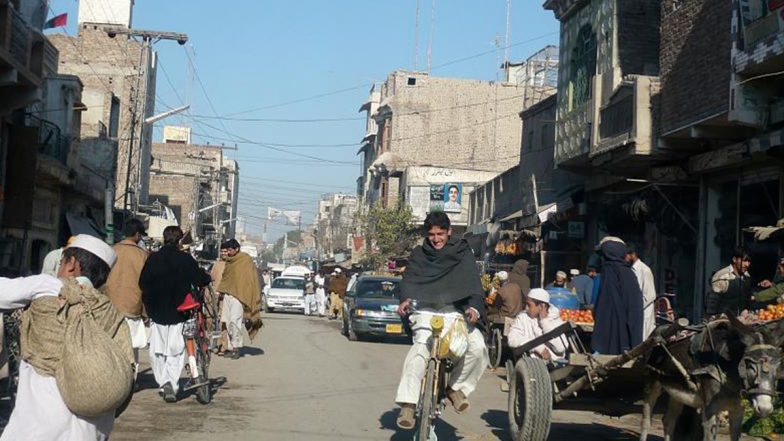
[(36, 132), (429, 137), (199, 184), (722, 116), (119, 75), (334, 227)]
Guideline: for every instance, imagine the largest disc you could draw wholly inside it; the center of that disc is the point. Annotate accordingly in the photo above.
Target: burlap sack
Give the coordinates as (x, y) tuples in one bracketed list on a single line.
[(96, 372)]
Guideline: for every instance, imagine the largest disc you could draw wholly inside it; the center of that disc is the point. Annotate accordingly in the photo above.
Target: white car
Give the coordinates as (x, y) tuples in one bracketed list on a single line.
[(286, 292)]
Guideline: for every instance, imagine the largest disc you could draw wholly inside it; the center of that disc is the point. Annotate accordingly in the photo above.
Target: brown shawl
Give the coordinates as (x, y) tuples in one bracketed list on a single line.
[(241, 280)]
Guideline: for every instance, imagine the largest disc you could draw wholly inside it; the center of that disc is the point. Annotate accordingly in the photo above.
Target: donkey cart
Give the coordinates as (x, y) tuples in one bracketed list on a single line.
[(611, 385)]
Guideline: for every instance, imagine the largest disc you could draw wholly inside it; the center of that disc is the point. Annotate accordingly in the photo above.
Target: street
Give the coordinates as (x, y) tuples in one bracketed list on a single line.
[(303, 380)]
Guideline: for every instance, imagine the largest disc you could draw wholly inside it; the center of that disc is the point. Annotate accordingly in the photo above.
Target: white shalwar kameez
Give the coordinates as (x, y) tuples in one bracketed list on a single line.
[(525, 329), (40, 414), (167, 353), (231, 316), (466, 373), (321, 296), (648, 288)]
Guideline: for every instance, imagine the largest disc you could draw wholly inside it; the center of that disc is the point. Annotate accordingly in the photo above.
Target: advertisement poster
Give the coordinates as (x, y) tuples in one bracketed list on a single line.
[(447, 197)]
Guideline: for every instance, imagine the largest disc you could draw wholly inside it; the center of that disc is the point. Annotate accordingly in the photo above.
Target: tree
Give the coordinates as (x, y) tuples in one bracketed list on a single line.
[(390, 232)]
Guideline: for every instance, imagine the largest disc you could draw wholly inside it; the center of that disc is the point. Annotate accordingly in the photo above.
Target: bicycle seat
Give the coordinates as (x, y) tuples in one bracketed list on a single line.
[(188, 304)]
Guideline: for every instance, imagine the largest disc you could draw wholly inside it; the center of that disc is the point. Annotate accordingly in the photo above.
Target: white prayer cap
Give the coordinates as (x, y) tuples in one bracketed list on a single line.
[(502, 276), (95, 246), (540, 295), (574, 272), (560, 274), (608, 239), (338, 271)]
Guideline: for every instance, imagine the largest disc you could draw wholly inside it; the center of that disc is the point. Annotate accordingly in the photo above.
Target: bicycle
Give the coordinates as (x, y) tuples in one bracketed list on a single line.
[(432, 396), (200, 341)]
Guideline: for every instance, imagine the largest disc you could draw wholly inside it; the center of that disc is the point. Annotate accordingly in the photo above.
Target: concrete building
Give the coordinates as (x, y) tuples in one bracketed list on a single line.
[(458, 132), (334, 227), (119, 78), (35, 153), (200, 185)]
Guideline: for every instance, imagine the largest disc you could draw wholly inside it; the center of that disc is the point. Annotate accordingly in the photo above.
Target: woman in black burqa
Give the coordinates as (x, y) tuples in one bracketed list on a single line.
[(618, 312)]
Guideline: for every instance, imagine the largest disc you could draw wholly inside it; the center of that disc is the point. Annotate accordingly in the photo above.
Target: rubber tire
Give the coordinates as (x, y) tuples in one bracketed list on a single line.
[(530, 395), (203, 393), (352, 336), (428, 402), (496, 347)]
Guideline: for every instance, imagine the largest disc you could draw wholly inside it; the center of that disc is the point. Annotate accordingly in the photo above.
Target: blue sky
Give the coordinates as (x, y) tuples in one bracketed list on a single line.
[(265, 55)]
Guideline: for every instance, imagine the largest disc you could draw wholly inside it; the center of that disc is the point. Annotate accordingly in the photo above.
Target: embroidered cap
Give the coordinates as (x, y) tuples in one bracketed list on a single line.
[(95, 246)]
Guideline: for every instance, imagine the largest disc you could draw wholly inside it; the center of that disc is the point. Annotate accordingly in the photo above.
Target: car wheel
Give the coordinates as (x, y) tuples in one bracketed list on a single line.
[(352, 336)]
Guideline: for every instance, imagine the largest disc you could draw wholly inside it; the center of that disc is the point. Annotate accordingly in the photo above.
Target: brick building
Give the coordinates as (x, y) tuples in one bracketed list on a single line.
[(199, 184), (119, 92), (459, 132)]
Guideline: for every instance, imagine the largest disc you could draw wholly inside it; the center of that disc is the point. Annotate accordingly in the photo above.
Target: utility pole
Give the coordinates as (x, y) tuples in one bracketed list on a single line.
[(148, 39)]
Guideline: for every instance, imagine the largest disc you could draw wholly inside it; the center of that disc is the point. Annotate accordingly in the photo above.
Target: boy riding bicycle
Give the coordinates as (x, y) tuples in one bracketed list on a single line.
[(441, 276)]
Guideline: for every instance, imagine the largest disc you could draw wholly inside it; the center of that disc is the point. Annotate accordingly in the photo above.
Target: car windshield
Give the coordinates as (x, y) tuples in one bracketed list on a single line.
[(378, 289), (289, 283)]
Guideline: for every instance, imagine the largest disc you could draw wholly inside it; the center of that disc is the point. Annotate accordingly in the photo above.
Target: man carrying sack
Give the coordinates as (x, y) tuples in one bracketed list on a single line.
[(241, 292), (77, 361)]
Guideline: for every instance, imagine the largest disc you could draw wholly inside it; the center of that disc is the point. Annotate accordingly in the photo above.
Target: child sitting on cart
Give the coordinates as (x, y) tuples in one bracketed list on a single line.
[(538, 318)]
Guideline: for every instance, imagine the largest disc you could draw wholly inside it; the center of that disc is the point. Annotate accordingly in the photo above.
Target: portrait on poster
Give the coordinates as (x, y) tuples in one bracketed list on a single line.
[(453, 195)]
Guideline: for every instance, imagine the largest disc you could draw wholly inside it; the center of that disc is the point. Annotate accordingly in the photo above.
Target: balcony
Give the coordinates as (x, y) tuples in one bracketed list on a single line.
[(25, 56), (626, 121), (51, 142), (758, 46)]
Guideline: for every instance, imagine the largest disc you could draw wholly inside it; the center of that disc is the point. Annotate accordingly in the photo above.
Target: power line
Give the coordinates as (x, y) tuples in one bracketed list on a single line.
[(278, 120)]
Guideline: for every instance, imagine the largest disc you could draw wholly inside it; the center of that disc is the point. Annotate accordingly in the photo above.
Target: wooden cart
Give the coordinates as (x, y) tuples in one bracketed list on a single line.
[(607, 384)]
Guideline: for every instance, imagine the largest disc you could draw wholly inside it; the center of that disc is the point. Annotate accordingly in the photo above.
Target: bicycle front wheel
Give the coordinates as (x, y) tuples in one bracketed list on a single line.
[(428, 402)]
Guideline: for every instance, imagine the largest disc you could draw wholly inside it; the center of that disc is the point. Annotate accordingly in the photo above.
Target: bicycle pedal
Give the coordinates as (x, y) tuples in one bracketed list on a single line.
[(196, 385)]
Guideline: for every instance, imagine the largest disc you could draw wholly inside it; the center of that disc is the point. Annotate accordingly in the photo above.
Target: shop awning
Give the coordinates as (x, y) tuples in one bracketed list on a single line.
[(516, 215), (83, 225)]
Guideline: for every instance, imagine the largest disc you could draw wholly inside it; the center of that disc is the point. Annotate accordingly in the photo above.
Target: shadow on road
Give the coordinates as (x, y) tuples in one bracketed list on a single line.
[(388, 418), (498, 422), (250, 351)]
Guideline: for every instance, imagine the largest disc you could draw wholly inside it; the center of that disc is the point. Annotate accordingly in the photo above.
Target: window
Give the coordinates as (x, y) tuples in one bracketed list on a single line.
[(583, 67), (411, 81), (385, 288), (114, 117), (298, 284)]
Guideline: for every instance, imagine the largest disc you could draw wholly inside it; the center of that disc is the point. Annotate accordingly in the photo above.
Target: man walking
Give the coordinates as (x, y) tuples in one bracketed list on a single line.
[(310, 295), (321, 294), (645, 280), (167, 276), (123, 284), (337, 291), (241, 297), (40, 411)]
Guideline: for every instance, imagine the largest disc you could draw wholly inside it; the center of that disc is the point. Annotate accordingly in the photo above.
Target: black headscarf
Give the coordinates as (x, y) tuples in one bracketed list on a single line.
[(448, 276), (619, 307)]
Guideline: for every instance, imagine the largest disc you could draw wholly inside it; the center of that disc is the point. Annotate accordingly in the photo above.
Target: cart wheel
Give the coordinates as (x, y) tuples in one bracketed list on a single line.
[(495, 347), (530, 400)]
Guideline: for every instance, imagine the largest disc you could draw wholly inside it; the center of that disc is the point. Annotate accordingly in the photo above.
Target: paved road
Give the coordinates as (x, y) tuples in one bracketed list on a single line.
[(302, 380)]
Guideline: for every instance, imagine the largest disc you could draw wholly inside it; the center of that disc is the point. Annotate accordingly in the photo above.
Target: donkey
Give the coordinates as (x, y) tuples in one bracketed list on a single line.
[(710, 372)]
